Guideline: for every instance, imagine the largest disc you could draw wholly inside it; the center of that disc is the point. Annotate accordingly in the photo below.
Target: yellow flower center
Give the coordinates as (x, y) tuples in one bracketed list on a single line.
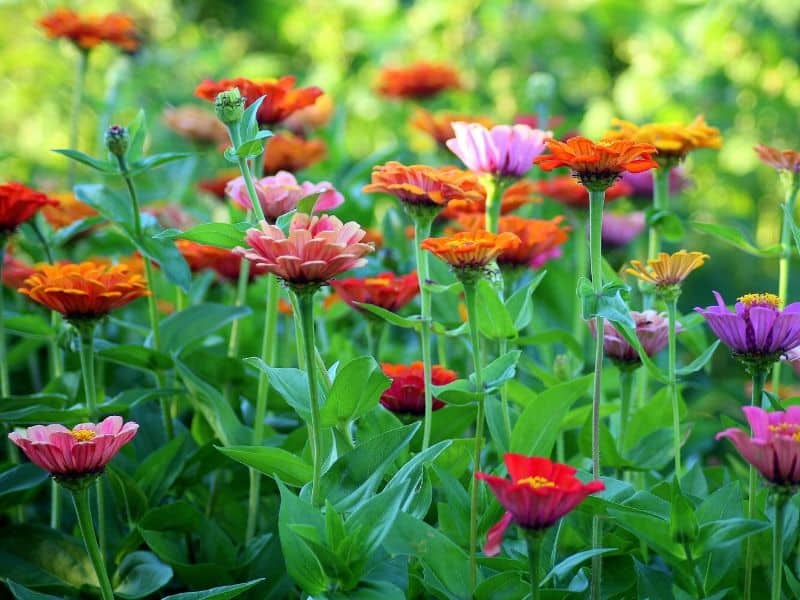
[(763, 299), (791, 430), (83, 435), (377, 281), (537, 482)]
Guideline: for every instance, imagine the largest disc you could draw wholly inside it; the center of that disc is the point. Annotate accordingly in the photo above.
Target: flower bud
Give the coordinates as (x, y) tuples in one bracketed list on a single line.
[(541, 87), (117, 140), (229, 106)]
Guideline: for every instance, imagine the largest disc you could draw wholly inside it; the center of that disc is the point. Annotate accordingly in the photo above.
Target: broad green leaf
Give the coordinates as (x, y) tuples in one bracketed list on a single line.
[(98, 165), (20, 592), (28, 325), (274, 462), (414, 471), (155, 160), (140, 574), (224, 592), (156, 473), (290, 383), (520, 304), (566, 566), (667, 222), (735, 238), (253, 147), (390, 317), (356, 390), (195, 323), (136, 357), (108, 203), (373, 520), (20, 482), (167, 256), (137, 133), (500, 370), (302, 563), (221, 235), (550, 337), (65, 234), (699, 362), (717, 534), (494, 320)]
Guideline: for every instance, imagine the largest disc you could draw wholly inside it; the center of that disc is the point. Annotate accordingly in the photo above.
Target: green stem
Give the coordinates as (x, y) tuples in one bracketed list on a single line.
[(503, 348), (581, 267), (470, 294), (374, 336), (80, 499), (55, 505), (759, 377), (625, 393), (244, 169), (596, 199), (56, 356), (660, 202), (698, 582), (672, 310), (494, 203), (422, 230), (534, 540), (305, 301), (75, 116), (241, 299), (777, 545), (5, 383)]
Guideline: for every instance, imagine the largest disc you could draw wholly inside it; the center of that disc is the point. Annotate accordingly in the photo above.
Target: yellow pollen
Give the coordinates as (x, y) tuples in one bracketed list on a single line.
[(788, 429), (763, 299), (83, 435), (537, 482), (382, 281)]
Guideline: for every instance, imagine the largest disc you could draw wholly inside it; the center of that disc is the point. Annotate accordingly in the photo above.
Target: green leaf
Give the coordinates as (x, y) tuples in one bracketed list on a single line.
[(356, 390), (169, 259), (195, 323), (108, 203), (98, 165), (667, 222), (221, 235), (19, 482), (494, 320), (224, 592), (717, 534), (565, 567), (20, 592), (390, 317), (140, 574), (551, 337), (699, 362), (253, 147), (735, 238), (137, 357), (290, 383), (520, 304), (248, 126), (500, 370), (302, 564), (28, 325), (274, 462), (161, 469), (156, 160), (373, 520), (65, 234), (608, 303)]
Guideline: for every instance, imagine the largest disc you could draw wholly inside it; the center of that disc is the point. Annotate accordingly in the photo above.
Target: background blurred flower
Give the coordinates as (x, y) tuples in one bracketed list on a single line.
[(311, 117), (387, 290), (567, 190), (216, 185), (418, 81), (196, 124), (503, 150), (66, 211), (672, 140), (440, 125), (288, 152), (652, 329), (406, 394), (620, 229), (641, 184), (86, 32), (170, 215), (15, 272), (782, 160), (19, 203), (223, 261)]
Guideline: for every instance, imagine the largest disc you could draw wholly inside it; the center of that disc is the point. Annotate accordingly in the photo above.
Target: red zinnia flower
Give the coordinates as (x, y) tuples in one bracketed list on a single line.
[(216, 186), (18, 204), (224, 262), (566, 190), (387, 290), (407, 393), (15, 272), (88, 32), (538, 494)]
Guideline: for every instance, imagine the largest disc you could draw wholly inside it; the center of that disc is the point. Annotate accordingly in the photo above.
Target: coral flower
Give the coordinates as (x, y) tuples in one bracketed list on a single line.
[(672, 140), (74, 453), (216, 186), (425, 187), (597, 164), (538, 494), (310, 117), (316, 250), (471, 250), (621, 229), (84, 291), (196, 124), (503, 150), (418, 81), (652, 329), (67, 210), (568, 191), (667, 271), (282, 98), (782, 160), (774, 446), (19, 203), (387, 290), (223, 261), (288, 152), (406, 395), (88, 32), (516, 195), (15, 272), (278, 194), (440, 125), (758, 331)]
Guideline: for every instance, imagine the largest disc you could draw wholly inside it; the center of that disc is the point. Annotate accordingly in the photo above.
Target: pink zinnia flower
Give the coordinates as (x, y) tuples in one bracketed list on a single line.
[(774, 446), (621, 229), (652, 329), (503, 150), (70, 453), (281, 193), (317, 249)]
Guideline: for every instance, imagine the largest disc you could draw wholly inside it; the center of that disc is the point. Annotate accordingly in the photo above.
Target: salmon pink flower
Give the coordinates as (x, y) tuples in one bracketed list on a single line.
[(406, 394), (387, 290), (502, 151), (781, 160), (288, 152), (281, 193), (417, 81), (19, 203), (652, 329), (538, 494), (316, 249), (196, 124)]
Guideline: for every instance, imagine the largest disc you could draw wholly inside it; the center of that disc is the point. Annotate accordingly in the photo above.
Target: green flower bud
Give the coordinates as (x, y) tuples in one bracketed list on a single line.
[(117, 140), (541, 87), (229, 106)]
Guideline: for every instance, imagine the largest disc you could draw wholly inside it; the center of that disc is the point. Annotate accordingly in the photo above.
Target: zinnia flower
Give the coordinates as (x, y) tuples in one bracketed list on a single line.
[(223, 261), (566, 190), (502, 151), (66, 211), (84, 291), (470, 251), (406, 395), (196, 124), (282, 98), (87, 32), (170, 215), (667, 271), (516, 195), (440, 125), (18, 204), (418, 81), (672, 140), (782, 160), (15, 272), (310, 117), (533, 121), (621, 229), (652, 329), (316, 250), (216, 185), (538, 494), (288, 152), (278, 194), (641, 184), (387, 290), (758, 332), (69, 454), (774, 446), (597, 164)]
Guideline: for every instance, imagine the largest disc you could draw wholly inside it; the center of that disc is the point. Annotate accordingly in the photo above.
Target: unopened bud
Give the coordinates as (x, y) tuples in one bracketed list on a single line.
[(541, 87), (229, 106), (117, 140)]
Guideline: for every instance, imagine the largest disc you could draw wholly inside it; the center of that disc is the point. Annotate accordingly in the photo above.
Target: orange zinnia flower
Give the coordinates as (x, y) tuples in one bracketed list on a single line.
[(311, 117), (597, 165), (282, 98), (425, 187), (420, 80), (66, 211), (196, 124), (289, 152), (88, 32), (782, 160), (518, 194), (672, 140), (18, 204), (223, 261), (666, 270), (440, 125), (386, 290), (566, 190), (471, 250), (373, 236), (84, 291)]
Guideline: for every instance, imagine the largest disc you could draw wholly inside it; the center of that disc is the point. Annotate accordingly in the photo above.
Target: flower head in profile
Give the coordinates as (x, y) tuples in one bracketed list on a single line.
[(417, 81), (282, 98), (439, 126), (672, 140), (289, 152), (518, 194), (86, 32), (15, 271), (406, 394), (668, 271), (470, 252), (224, 262), (652, 329), (73, 456), (84, 292), (502, 151), (387, 290), (281, 193), (538, 493), (196, 124), (620, 229), (566, 190), (781, 160), (19, 203), (597, 165), (316, 249), (773, 448)]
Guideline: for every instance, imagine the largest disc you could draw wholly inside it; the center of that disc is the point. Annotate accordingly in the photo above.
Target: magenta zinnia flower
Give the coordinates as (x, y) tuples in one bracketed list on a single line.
[(317, 249), (652, 329), (281, 193), (503, 150), (73, 453), (621, 229), (774, 446)]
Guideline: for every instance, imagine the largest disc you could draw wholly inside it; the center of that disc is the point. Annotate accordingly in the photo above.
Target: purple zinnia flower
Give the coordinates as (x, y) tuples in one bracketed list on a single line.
[(652, 329), (642, 183), (503, 150), (621, 229)]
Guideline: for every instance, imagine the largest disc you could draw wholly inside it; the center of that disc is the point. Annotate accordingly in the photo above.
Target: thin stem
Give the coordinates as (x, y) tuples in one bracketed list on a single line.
[(244, 169), (470, 294), (80, 499), (75, 113), (56, 356), (660, 202), (625, 393), (375, 329), (422, 230), (759, 377), (503, 348), (5, 383), (534, 540), (55, 505), (581, 267), (241, 298), (494, 202), (698, 582), (672, 310), (777, 545)]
